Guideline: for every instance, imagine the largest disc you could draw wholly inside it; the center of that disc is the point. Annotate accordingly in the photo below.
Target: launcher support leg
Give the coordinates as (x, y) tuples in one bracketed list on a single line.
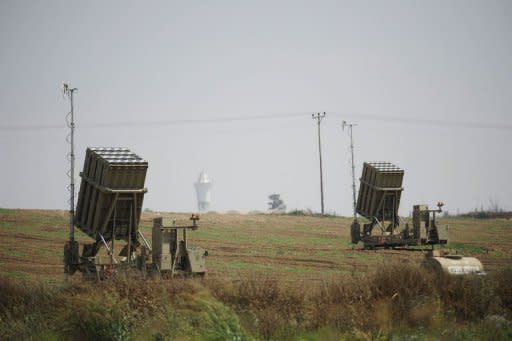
[(133, 233), (129, 251)]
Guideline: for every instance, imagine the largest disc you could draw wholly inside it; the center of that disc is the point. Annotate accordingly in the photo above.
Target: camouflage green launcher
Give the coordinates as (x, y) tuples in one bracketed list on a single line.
[(379, 200), (111, 193), (380, 191)]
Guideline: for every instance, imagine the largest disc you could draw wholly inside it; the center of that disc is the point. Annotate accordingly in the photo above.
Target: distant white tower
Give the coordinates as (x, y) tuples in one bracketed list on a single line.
[(203, 186)]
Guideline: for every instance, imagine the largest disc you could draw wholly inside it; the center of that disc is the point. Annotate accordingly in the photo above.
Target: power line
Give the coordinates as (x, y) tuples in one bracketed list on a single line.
[(427, 121), (240, 118), (28, 127), (227, 119)]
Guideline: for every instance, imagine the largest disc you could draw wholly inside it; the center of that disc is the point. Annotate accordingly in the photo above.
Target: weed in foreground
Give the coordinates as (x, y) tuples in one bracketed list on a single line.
[(398, 301)]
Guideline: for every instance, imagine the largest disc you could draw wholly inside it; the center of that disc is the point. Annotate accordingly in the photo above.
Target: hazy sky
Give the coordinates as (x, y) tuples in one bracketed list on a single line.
[(441, 70)]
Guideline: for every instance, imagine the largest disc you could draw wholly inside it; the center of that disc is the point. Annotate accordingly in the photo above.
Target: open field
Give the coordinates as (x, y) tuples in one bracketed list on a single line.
[(271, 277), (292, 247)]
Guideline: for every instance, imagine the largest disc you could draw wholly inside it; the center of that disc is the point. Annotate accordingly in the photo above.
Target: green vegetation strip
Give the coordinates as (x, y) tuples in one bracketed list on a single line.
[(467, 248)]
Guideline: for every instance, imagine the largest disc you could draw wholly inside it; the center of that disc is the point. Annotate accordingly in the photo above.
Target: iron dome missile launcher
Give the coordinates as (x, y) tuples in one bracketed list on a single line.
[(108, 210), (378, 201)]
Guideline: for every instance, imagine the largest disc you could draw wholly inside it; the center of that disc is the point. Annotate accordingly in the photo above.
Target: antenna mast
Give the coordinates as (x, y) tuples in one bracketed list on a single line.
[(343, 125), (70, 121)]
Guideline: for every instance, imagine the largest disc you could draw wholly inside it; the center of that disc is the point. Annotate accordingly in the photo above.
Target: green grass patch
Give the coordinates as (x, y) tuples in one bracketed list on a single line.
[(241, 266), (15, 253), (362, 255), (15, 275), (326, 254), (6, 226), (48, 252), (467, 248), (501, 255)]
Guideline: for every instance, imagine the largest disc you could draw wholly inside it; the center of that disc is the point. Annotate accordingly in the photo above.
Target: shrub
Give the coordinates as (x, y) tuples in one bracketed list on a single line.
[(391, 302), (102, 317), (403, 294), (24, 308), (502, 280)]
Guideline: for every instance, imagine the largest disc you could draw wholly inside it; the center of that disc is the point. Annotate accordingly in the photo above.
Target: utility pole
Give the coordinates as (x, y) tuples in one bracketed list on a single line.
[(343, 125), (318, 117), (70, 120)]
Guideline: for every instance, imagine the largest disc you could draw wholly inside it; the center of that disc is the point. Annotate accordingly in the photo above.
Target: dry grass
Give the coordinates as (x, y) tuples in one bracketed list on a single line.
[(396, 297), (115, 309)]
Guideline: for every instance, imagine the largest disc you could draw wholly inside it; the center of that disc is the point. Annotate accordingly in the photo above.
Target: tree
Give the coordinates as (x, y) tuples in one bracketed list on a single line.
[(276, 204)]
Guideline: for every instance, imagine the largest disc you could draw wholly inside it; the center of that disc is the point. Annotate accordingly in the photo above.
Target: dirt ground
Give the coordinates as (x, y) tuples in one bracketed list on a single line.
[(284, 246)]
